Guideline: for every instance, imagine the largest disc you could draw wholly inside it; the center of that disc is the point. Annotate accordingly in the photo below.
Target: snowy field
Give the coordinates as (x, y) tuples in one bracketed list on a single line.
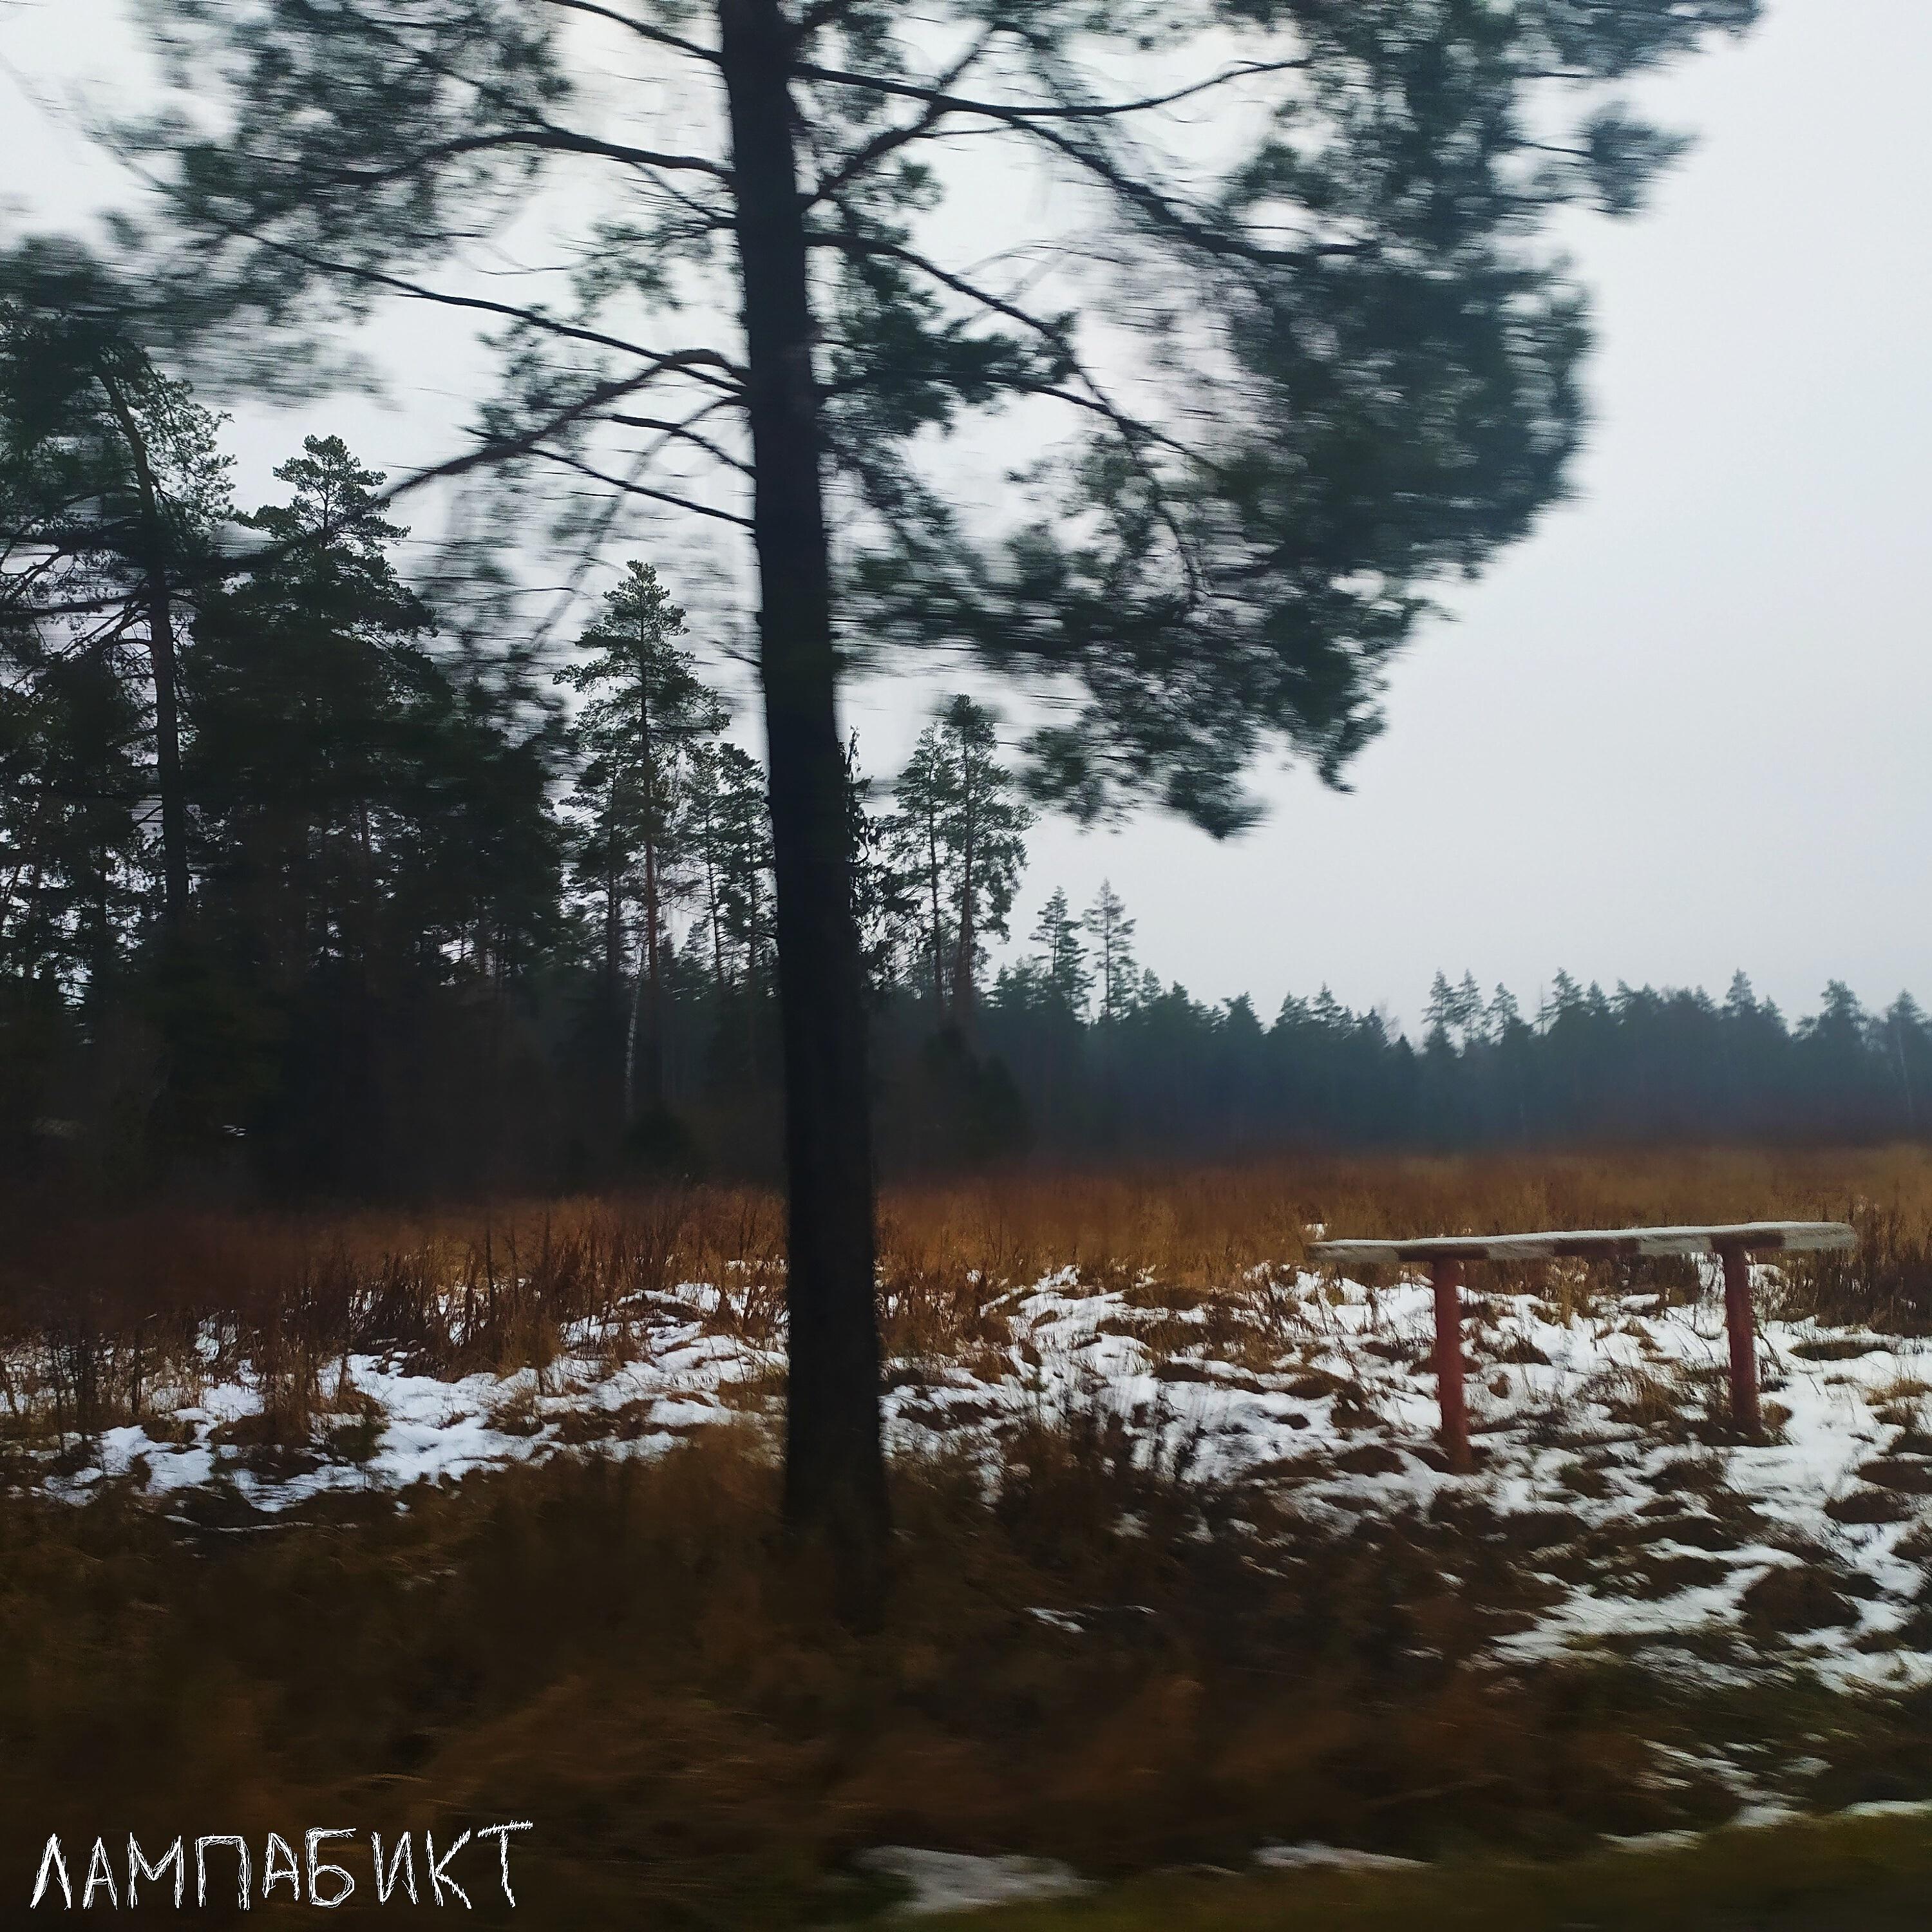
[(1603, 1462)]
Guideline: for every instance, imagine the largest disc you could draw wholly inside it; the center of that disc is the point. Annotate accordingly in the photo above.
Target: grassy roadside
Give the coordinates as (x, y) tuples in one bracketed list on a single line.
[(1831, 1874), (1094, 1662)]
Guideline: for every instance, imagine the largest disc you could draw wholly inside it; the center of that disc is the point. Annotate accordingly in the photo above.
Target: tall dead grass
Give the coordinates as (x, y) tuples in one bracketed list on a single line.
[(99, 1320), (1098, 1661)]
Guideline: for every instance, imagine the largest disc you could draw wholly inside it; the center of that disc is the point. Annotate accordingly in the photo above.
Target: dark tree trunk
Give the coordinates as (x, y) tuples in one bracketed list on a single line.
[(167, 749), (613, 1025), (631, 1048), (834, 1476), (753, 986), (711, 902), (158, 605), (650, 988), (654, 1042), (938, 930), (613, 913), (652, 982), (962, 963)]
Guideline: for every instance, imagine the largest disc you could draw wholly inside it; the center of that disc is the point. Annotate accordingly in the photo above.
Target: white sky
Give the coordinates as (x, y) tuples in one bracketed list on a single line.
[(1685, 728)]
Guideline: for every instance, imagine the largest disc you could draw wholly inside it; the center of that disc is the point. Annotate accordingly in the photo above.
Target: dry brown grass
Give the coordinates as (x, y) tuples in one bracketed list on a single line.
[(98, 1317), (1836, 1875), (624, 1654), (1200, 1225)]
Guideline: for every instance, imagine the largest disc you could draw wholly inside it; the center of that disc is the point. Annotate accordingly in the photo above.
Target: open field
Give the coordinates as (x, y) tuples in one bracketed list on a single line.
[(426, 1524)]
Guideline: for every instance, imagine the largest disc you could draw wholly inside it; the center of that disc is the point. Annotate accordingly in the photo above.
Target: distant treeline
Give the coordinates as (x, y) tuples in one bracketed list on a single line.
[(1171, 1073), (299, 897)]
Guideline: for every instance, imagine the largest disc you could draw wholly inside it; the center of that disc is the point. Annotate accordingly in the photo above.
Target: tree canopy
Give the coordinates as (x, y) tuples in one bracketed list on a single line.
[(1290, 341), (1295, 363)]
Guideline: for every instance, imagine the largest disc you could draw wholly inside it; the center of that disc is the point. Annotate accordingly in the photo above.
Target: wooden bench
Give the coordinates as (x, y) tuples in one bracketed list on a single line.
[(1446, 1255)]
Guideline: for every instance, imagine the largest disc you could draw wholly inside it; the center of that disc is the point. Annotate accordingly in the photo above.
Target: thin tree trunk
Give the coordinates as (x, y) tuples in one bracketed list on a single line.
[(654, 1071), (28, 856), (631, 1046), (613, 914), (962, 963), (938, 931), (157, 601), (752, 989), (648, 981), (613, 954), (835, 1472), (711, 905), (31, 922)]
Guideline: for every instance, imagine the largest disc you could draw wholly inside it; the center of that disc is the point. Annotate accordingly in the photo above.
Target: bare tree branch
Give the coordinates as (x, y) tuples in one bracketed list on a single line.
[(1129, 426), (684, 432), (935, 93), (632, 488), (498, 449), (1037, 123), (1135, 435), (658, 36), (540, 135), (707, 365), (889, 140)]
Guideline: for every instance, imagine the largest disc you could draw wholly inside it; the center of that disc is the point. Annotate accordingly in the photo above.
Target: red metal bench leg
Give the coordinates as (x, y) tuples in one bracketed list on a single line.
[(1446, 1278), (1743, 1341)]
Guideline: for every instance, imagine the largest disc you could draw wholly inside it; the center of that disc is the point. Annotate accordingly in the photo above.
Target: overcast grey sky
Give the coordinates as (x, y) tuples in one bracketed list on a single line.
[(1688, 726), (1683, 728)]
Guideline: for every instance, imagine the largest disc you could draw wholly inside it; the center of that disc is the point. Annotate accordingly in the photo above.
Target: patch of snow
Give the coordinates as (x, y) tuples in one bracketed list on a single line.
[(1302, 1381), (1058, 1620), (959, 1882), (1314, 1856)]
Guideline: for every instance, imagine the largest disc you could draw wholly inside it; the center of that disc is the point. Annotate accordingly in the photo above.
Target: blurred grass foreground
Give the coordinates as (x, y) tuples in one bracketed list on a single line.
[(1107, 1644)]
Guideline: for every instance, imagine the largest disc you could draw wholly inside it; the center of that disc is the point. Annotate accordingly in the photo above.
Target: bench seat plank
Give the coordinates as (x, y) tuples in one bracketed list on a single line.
[(1598, 1244)]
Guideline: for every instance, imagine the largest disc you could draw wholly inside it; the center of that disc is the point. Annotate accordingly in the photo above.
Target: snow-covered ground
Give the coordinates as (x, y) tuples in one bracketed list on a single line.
[(1599, 1430)]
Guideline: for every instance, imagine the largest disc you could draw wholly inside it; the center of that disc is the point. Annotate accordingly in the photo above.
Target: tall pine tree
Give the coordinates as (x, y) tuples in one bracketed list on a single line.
[(1356, 373), (646, 711)]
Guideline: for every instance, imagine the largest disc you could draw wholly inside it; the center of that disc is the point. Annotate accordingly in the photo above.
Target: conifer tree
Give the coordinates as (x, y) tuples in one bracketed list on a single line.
[(709, 793), (1906, 1034), (1061, 960), (886, 887), (924, 794), (1359, 374), (1113, 933), (745, 890), (646, 711), (962, 833), (303, 676), (111, 491), (372, 825)]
